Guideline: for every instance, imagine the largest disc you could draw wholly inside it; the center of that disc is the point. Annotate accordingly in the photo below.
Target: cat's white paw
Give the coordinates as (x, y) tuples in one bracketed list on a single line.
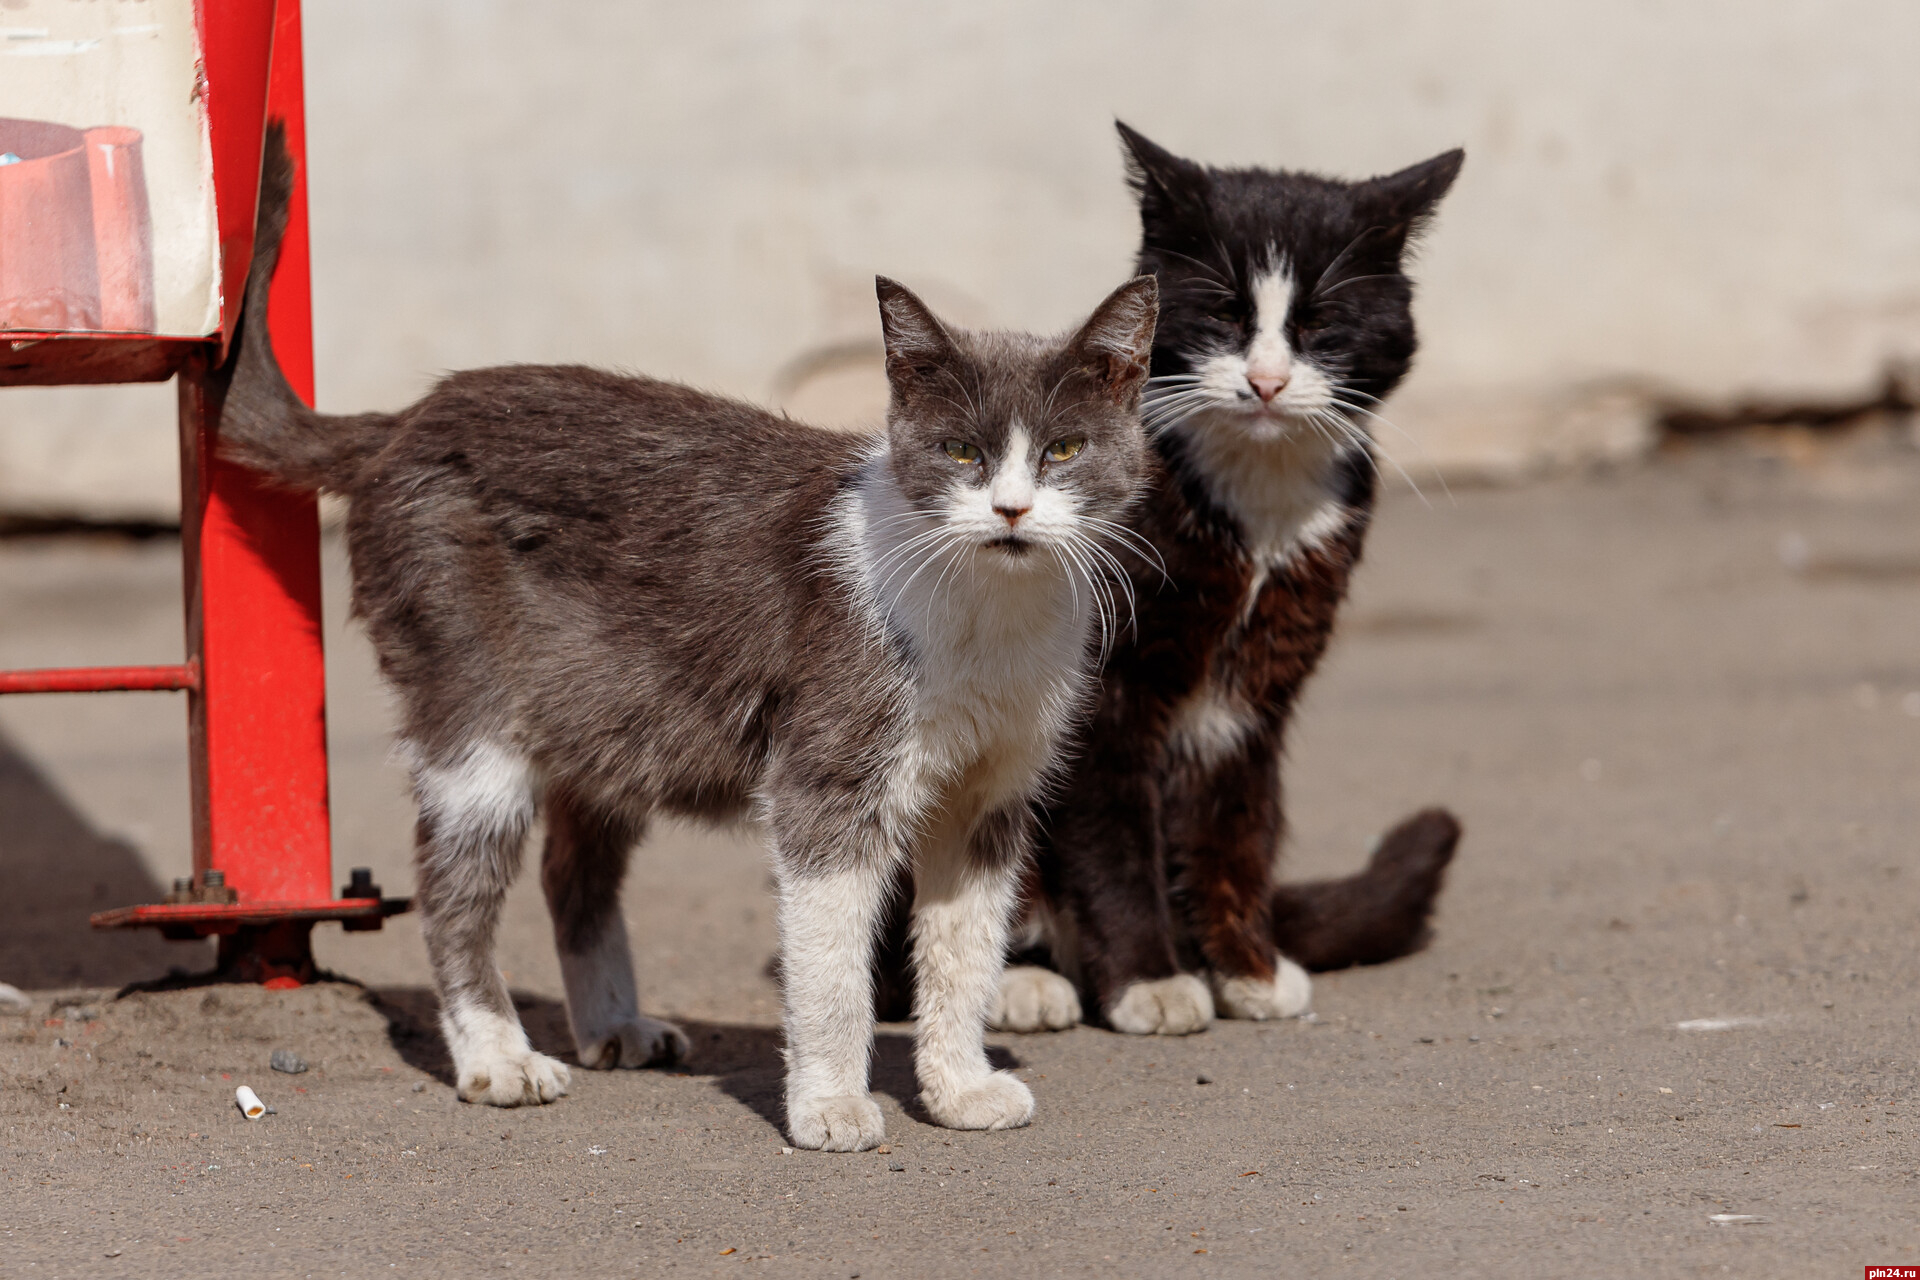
[(1034, 999), (1176, 1006), (510, 1078), (999, 1101), (641, 1043), (849, 1122), (1289, 995)]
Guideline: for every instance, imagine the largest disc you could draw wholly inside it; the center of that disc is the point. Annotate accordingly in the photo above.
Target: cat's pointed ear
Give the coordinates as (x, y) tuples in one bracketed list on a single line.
[(913, 335), (1116, 342), (1405, 201), (1167, 187)]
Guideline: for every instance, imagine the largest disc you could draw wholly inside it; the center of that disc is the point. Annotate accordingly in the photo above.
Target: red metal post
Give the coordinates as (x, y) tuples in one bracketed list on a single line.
[(258, 721)]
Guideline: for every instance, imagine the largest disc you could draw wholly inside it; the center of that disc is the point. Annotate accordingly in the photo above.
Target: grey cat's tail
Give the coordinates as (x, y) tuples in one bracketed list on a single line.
[(263, 424), (1377, 915)]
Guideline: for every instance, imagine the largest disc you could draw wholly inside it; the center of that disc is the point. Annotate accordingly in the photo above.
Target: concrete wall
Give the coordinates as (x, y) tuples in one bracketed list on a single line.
[(1704, 200)]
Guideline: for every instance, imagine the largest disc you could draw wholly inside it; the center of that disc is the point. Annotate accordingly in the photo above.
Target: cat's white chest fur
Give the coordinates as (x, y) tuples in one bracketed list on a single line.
[(999, 654), (997, 678), (1279, 491)]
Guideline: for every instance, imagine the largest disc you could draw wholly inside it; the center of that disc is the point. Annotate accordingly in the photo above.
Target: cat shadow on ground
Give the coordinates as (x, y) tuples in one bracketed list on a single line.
[(59, 870), (742, 1060)]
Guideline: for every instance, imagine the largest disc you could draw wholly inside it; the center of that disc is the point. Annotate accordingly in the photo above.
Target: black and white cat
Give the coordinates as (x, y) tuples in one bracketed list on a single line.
[(599, 598), (1285, 321)]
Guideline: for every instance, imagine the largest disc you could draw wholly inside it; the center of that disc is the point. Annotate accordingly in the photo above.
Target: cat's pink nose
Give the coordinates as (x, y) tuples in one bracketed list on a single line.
[(1011, 514), (1267, 388)]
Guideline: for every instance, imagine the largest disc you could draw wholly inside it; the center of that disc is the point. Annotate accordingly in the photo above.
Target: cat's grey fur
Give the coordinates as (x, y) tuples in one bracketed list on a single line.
[(602, 598)]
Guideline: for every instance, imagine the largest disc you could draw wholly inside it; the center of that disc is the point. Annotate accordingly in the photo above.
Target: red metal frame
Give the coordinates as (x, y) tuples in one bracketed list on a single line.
[(255, 676), (186, 675)]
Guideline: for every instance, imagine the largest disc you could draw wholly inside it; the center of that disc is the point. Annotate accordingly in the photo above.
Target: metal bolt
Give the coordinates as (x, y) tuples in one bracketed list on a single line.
[(214, 879)]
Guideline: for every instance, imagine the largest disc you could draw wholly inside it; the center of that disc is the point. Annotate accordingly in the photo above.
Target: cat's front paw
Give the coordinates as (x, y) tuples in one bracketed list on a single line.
[(999, 1101), (1034, 999), (1176, 1006), (511, 1079), (1288, 995), (644, 1042), (849, 1122)]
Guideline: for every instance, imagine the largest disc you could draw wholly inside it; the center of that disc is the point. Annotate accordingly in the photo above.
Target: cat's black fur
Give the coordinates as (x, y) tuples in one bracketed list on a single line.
[(1157, 857)]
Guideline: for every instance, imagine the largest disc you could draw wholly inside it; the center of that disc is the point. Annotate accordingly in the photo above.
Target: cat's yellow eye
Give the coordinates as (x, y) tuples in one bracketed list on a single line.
[(1061, 450), (961, 451)]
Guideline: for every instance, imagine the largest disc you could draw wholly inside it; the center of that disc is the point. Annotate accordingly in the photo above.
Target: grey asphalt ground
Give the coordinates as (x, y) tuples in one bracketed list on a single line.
[(1677, 707)]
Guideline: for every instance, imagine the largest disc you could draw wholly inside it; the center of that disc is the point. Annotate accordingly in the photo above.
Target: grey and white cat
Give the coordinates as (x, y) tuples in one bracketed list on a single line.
[(601, 598)]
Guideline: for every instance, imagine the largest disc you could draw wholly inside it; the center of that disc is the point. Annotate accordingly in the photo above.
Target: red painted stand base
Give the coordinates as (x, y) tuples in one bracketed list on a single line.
[(266, 942), (198, 920)]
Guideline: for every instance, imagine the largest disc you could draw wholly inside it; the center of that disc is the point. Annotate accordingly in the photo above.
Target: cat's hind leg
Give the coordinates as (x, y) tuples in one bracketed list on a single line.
[(964, 893), (581, 868), (475, 807)]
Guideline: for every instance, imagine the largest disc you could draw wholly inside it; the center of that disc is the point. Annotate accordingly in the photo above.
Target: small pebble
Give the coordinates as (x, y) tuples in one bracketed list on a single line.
[(883, 1150), (1426, 1039), (288, 1061), (419, 1086), (1203, 1079), (896, 1167), (13, 1000)]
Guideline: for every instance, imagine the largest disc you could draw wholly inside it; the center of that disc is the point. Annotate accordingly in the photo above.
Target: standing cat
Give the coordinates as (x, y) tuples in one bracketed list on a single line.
[(599, 598), (1285, 320)]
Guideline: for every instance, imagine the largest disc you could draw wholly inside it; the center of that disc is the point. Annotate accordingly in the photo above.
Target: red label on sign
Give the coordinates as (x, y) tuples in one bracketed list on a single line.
[(1893, 1273)]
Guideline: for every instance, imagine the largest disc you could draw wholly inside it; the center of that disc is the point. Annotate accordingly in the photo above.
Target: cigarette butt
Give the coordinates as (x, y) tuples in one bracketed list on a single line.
[(249, 1102)]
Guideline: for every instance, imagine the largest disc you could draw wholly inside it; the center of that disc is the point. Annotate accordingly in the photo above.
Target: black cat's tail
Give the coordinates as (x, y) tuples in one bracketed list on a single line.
[(1378, 914), (263, 424)]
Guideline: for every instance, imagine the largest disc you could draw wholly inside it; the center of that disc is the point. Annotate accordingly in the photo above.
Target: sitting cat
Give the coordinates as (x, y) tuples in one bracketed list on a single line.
[(1285, 322), (599, 598)]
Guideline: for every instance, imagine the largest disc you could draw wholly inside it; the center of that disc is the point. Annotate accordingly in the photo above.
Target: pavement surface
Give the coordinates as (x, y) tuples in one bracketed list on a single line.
[(1677, 707)]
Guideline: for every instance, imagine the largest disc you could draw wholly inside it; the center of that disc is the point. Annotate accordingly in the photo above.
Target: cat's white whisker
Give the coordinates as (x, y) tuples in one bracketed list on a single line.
[(1096, 562), (1341, 284), (902, 555), (1339, 258), (1134, 542), (1363, 441), (1071, 552), (1210, 271), (935, 554), (1404, 434), (1120, 587)]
